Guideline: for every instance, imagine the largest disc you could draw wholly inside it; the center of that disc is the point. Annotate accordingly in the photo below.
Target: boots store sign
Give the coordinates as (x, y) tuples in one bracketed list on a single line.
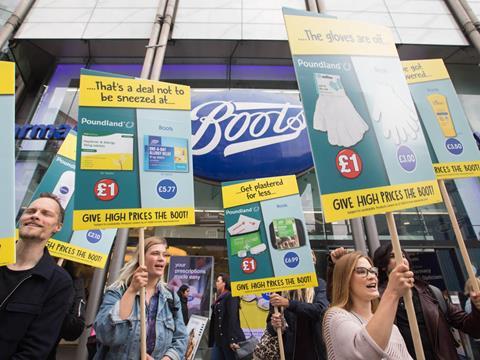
[(236, 134), (244, 134)]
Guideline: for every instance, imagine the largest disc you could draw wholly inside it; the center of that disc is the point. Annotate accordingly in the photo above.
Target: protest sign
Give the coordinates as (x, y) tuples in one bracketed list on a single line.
[(452, 146), (134, 160), (451, 142), (368, 148), (7, 163), (195, 329), (267, 242), (197, 273), (89, 247)]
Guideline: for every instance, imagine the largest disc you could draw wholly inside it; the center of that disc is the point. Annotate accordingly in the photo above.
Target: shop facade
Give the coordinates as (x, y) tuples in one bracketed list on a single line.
[(235, 57)]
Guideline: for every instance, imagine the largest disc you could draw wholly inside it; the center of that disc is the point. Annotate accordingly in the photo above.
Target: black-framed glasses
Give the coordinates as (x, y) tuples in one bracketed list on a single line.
[(363, 271)]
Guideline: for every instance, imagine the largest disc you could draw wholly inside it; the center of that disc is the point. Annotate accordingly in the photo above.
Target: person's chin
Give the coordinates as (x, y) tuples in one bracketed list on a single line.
[(29, 234), (373, 295)]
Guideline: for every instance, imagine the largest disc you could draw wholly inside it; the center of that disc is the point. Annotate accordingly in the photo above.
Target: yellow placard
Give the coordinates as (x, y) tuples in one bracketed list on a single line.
[(258, 190), (313, 35), (424, 70), (352, 204), (102, 91), (274, 284), (78, 254), (69, 147), (125, 218), (7, 251), (7, 78), (455, 170)]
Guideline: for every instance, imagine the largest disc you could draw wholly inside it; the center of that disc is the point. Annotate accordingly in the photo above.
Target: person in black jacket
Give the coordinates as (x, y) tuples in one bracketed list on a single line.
[(225, 332), (183, 293), (35, 293), (301, 321)]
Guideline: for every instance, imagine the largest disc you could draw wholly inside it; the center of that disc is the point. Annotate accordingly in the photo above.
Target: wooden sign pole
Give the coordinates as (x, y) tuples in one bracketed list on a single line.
[(412, 318), (143, 327), (458, 235), (280, 337)]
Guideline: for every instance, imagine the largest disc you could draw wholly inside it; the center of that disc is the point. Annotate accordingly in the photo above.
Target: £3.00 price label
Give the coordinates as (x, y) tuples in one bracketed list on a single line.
[(106, 189), (349, 163)]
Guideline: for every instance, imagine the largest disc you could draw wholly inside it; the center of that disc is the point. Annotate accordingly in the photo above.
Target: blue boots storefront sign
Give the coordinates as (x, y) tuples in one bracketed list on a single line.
[(243, 134), (236, 134)]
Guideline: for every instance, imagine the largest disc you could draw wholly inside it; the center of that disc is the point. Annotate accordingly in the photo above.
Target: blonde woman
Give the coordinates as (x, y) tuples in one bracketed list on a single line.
[(118, 321), (357, 326)]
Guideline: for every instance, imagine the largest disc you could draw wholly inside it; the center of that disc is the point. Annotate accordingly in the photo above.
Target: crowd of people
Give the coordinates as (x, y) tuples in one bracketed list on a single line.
[(357, 313)]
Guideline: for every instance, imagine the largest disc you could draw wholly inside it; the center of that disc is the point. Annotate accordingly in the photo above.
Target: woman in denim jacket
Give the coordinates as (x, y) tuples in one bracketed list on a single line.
[(118, 321)]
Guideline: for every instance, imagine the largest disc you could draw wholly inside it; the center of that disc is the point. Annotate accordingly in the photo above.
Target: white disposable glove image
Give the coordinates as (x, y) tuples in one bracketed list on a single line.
[(395, 113), (335, 113)]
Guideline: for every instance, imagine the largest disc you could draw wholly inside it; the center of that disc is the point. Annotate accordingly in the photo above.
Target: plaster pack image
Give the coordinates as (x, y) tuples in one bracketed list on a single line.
[(287, 233)]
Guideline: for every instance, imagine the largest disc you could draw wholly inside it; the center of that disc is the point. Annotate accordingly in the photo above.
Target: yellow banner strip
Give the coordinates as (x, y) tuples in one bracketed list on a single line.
[(102, 91), (424, 70), (313, 35), (352, 204), (75, 253), (259, 190), (69, 147), (274, 284), (125, 218), (7, 251), (7, 78), (456, 170)]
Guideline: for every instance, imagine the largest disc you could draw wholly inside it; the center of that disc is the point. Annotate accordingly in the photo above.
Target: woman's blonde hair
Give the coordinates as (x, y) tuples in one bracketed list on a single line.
[(342, 275), (304, 295), (469, 285), (129, 268)]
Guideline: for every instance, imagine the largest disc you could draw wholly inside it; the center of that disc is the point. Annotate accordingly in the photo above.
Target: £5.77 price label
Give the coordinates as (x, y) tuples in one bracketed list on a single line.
[(106, 189), (349, 163), (166, 189)]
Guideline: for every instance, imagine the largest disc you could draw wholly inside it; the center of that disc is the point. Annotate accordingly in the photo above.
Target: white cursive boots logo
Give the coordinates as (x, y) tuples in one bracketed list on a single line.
[(242, 134)]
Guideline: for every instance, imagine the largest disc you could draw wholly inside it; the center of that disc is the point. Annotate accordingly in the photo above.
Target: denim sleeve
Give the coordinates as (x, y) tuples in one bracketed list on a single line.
[(176, 350), (110, 329)]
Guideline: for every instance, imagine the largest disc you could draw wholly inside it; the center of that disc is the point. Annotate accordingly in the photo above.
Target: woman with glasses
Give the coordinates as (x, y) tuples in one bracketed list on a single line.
[(357, 325)]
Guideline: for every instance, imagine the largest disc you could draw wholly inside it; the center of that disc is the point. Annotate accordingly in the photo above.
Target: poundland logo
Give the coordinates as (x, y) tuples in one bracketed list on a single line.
[(42, 132)]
